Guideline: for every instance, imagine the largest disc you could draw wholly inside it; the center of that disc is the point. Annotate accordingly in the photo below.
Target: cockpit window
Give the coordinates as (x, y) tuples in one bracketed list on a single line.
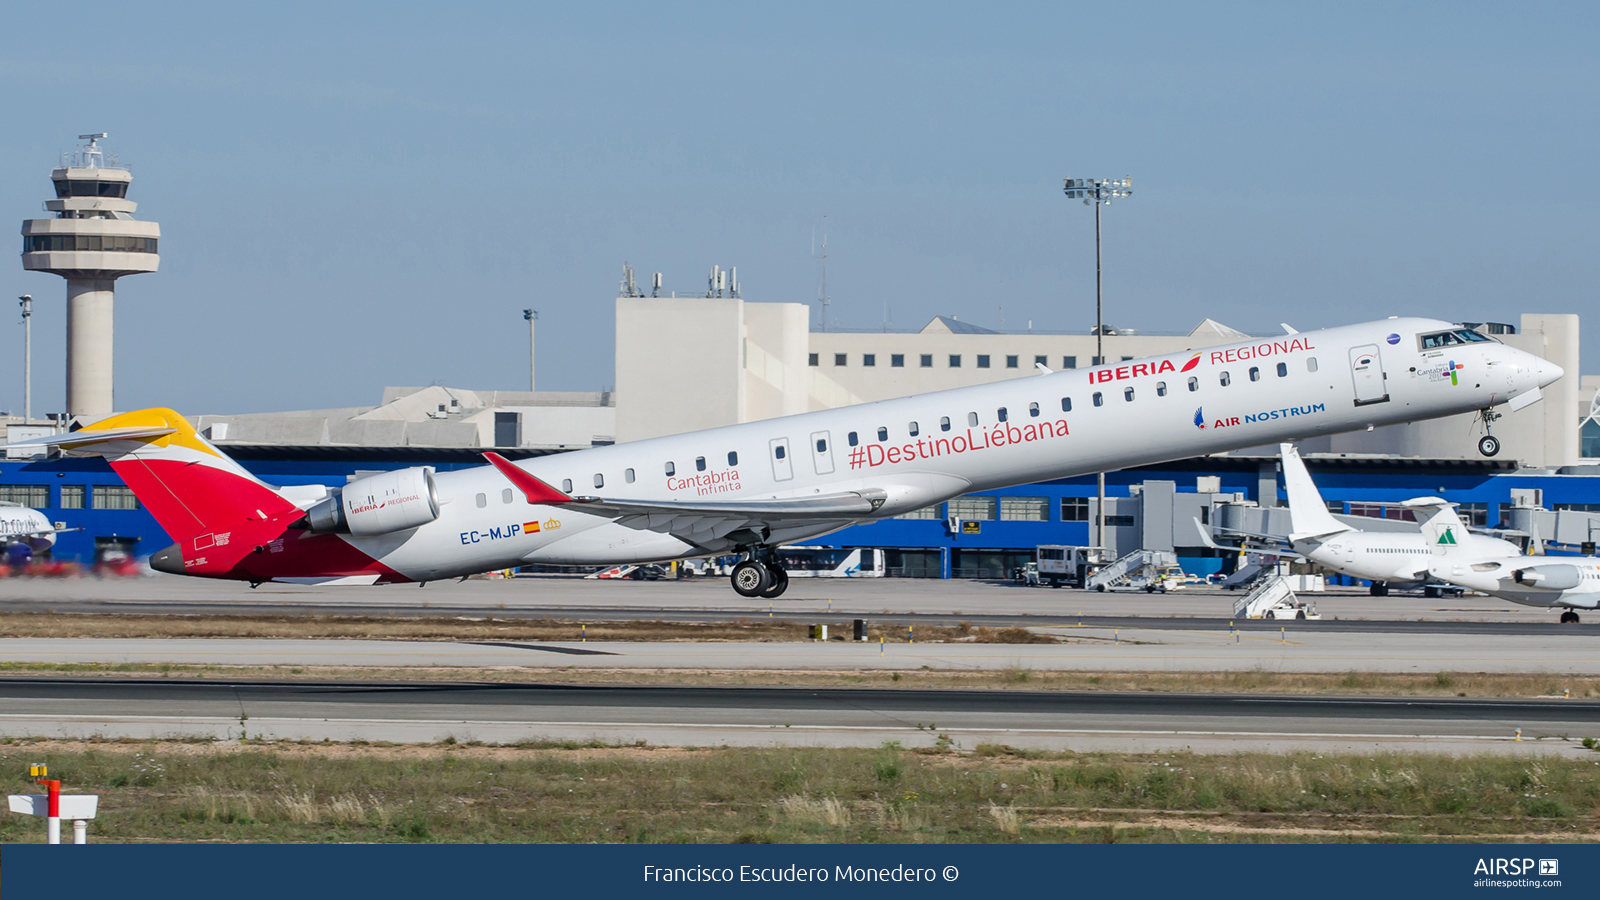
[(1450, 338)]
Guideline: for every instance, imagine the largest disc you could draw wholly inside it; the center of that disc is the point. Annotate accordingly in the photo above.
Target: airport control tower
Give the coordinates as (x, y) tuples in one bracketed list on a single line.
[(91, 240)]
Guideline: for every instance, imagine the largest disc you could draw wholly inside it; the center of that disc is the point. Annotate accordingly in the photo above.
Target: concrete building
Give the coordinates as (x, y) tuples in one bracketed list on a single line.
[(433, 416), (91, 240)]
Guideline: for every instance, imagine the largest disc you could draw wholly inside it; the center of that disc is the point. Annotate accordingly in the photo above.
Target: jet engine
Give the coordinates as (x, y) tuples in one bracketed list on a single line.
[(378, 504), (1555, 577)]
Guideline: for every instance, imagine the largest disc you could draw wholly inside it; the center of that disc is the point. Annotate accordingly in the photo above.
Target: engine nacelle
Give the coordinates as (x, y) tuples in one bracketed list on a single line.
[(1555, 577), (378, 504)]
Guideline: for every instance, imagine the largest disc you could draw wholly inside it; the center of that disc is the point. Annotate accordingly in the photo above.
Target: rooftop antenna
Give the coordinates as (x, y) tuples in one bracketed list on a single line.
[(1002, 315), (629, 289), (91, 155), (733, 281), (826, 300), (655, 289)]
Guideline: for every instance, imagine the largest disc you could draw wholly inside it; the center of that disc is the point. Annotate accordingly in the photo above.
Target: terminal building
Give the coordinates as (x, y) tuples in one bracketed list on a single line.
[(687, 363)]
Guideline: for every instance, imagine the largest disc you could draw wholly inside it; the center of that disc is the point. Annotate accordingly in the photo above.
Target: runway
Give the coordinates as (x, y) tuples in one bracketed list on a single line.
[(700, 716)]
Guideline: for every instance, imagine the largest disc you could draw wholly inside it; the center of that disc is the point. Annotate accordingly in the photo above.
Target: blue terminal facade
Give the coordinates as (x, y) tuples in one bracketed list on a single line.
[(86, 495)]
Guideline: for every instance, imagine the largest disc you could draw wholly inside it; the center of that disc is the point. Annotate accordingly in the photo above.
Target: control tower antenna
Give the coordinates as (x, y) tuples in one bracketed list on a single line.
[(91, 240), (826, 300), (27, 357)]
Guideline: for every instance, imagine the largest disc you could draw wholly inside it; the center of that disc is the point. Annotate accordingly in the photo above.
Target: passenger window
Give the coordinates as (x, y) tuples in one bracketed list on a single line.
[(1225, 378), (1161, 389), (972, 419), (1255, 373), (913, 429), (778, 451), (599, 480), (883, 433), (1000, 414), (1033, 410), (944, 423), (853, 439), (505, 496), (733, 457), (1066, 404), (1311, 364), (1194, 384), (1283, 369), (1098, 399), (700, 463), (822, 445), (566, 488), (1128, 395), (627, 475), (671, 470), (482, 501)]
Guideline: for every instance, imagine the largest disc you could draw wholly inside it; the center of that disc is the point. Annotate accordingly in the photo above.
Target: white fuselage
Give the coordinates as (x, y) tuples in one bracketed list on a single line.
[(21, 525), (1390, 557), (1569, 581), (925, 449)]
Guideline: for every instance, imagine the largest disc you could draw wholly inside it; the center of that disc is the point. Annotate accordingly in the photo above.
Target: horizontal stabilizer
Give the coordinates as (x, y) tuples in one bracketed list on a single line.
[(73, 440)]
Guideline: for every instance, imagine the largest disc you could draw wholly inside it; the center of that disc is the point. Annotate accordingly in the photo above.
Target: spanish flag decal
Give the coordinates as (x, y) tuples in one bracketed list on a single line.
[(530, 527)]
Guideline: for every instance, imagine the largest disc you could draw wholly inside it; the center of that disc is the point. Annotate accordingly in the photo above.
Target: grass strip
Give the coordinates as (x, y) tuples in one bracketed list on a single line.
[(201, 791)]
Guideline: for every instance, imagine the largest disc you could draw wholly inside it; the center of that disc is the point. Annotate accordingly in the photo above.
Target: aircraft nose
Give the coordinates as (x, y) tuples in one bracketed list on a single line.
[(1547, 372)]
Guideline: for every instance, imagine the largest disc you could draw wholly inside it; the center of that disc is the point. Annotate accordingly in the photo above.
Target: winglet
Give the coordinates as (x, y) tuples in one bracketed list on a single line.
[(532, 488)]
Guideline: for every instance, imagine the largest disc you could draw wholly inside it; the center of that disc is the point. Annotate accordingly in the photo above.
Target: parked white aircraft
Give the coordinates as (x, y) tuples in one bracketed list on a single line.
[(24, 532), (1568, 583), (1383, 557), (749, 488)]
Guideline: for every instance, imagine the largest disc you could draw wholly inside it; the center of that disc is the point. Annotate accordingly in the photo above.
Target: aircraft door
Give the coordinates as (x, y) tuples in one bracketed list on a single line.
[(822, 452), (1366, 368), (782, 462)]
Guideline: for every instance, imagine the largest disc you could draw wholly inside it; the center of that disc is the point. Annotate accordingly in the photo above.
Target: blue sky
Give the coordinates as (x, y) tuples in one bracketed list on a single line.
[(359, 195)]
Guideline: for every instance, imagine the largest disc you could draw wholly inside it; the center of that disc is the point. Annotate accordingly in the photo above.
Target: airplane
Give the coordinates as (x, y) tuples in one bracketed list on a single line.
[(1382, 557), (1567, 583), (24, 532), (747, 489)]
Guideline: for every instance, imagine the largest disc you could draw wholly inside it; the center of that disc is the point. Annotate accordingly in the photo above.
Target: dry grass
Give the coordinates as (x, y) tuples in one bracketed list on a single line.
[(373, 793)]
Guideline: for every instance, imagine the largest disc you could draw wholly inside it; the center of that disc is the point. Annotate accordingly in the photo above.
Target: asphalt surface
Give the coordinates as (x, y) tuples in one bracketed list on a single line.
[(700, 715)]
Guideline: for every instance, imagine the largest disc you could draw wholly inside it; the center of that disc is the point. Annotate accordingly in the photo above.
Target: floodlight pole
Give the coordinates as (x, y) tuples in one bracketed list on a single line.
[(1099, 191), (27, 358), (531, 316)]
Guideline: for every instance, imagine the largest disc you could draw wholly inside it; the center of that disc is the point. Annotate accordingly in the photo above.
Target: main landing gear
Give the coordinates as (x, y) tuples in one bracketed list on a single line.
[(756, 577), (1379, 589), (1569, 617), (1488, 445)]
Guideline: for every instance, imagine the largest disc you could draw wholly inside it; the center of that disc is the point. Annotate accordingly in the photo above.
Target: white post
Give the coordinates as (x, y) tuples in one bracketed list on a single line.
[(532, 316), (27, 358), (80, 831), (52, 830)]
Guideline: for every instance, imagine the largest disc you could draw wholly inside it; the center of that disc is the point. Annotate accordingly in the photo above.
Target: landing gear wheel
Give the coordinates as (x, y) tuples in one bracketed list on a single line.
[(750, 579), (1569, 617), (1431, 592), (778, 584), (1379, 589), (1488, 445)]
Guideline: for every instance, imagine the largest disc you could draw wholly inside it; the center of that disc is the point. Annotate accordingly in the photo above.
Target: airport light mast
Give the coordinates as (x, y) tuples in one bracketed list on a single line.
[(1100, 192), (91, 240)]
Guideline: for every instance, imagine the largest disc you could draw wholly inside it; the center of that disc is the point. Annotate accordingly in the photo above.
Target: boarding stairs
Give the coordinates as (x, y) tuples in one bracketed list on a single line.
[(1132, 570), (613, 572), (1274, 599), (1245, 576)]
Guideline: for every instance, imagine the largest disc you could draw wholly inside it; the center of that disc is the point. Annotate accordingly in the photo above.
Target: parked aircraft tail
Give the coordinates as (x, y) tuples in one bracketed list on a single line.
[(1308, 514), (1443, 530)]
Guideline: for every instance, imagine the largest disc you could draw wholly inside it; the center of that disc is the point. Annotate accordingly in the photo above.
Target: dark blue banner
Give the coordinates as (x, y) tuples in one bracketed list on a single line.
[(1169, 871)]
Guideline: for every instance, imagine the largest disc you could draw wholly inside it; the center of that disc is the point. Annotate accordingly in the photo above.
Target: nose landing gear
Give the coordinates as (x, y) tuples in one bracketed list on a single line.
[(1488, 445)]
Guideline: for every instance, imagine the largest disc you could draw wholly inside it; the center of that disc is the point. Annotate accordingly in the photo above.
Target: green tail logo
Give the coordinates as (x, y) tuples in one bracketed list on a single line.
[(1448, 537)]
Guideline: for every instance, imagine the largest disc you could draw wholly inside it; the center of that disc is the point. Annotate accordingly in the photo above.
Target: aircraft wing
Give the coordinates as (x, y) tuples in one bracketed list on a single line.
[(709, 523)]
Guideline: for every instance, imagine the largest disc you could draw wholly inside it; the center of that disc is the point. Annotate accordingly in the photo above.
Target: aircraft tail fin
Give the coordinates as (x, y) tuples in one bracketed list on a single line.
[(1308, 514), (187, 484), (1442, 530)]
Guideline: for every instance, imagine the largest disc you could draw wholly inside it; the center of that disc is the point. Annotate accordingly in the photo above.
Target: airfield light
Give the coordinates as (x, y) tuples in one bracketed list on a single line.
[(1100, 192)]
